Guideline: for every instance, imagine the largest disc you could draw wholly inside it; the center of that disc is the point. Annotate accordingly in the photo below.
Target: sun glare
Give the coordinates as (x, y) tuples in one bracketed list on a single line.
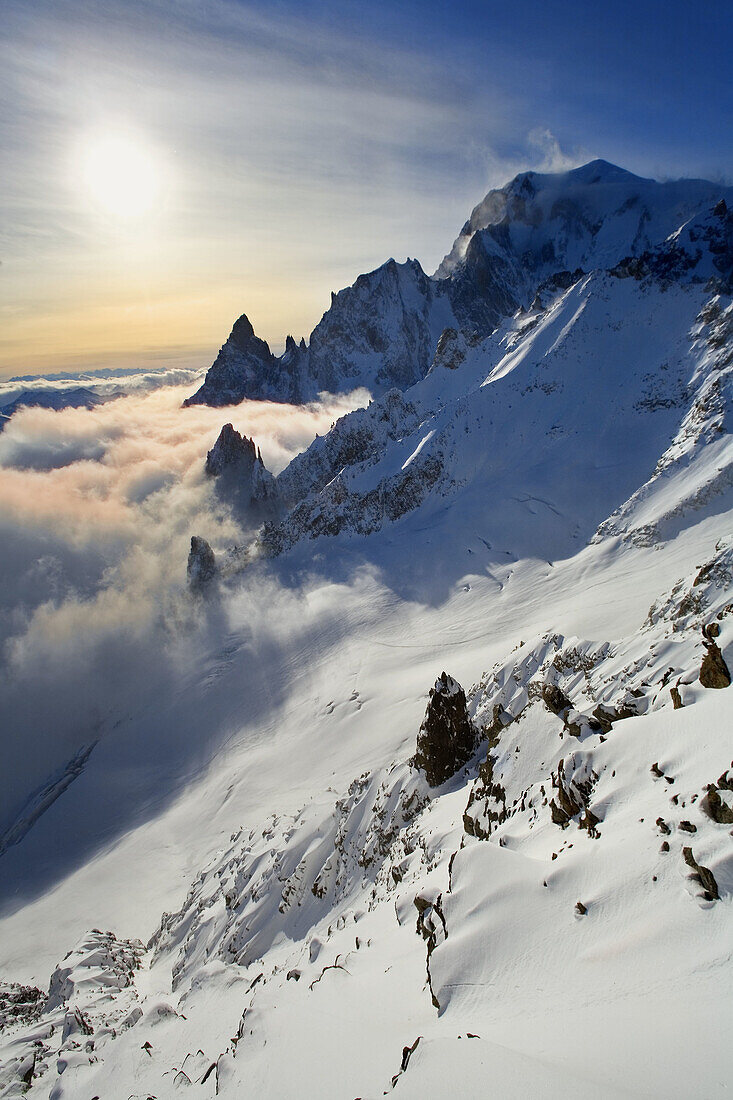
[(122, 176)]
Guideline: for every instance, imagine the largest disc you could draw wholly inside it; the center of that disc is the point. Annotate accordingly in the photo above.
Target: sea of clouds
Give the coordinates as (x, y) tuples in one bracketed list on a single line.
[(97, 508)]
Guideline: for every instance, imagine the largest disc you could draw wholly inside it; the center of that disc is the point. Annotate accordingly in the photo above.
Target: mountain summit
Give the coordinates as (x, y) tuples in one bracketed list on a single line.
[(383, 331)]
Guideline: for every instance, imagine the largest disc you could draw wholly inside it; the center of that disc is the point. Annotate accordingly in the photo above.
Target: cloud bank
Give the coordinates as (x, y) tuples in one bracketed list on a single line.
[(97, 507)]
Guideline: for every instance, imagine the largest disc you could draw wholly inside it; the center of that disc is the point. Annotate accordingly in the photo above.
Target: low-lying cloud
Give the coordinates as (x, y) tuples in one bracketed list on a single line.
[(97, 507)]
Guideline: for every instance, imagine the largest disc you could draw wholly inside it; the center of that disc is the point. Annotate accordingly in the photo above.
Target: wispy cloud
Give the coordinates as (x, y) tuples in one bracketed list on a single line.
[(294, 156)]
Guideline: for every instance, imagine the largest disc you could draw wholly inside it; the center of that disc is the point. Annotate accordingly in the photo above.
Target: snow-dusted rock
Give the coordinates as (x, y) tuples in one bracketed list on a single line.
[(244, 367), (201, 569), (446, 739)]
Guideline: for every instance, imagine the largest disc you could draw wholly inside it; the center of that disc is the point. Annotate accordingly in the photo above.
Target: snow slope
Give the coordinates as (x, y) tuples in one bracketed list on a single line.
[(293, 910)]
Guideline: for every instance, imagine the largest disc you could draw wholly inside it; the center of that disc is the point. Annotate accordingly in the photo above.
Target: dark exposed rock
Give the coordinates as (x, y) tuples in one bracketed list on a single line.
[(555, 699), (229, 450), (407, 1053), (676, 698), (201, 563), (447, 737), (664, 846), (451, 350), (238, 463), (493, 795), (581, 909), (703, 875), (687, 827), (606, 716), (715, 805), (573, 799), (560, 280), (244, 367), (663, 826), (432, 927), (713, 671)]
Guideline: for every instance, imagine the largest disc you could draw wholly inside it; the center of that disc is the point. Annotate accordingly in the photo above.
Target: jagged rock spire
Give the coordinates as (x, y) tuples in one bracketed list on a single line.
[(238, 459), (447, 738), (201, 563)]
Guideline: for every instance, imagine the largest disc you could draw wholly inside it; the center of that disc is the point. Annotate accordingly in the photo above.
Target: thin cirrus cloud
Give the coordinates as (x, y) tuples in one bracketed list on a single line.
[(295, 145), (289, 156)]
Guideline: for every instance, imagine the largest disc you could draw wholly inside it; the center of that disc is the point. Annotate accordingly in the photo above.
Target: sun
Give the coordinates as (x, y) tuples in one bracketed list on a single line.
[(121, 175)]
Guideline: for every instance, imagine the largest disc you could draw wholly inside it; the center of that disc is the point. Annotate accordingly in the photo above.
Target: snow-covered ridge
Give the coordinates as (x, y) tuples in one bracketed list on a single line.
[(383, 331), (633, 377)]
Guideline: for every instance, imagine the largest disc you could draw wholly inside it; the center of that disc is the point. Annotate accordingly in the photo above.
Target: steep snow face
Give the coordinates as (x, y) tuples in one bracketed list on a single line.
[(547, 514), (579, 412), (574, 864)]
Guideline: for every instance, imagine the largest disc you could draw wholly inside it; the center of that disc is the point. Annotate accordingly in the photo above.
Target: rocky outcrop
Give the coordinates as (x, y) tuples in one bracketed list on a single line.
[(451, 350), (447, 738), (19, 1004), (360, 436), (487, 806), (201, 564), (237, 461), (555, 700), (714, 671), (718, 801), (381, 332), (702, 875), (573, 790), (341, 507), (244, 367), (702, 250)]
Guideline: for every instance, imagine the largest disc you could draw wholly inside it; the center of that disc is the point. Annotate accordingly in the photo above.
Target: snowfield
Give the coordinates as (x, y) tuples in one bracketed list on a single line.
[(244, 886)]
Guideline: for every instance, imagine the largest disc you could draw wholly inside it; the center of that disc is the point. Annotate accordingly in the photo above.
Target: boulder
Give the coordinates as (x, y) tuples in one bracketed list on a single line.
[(555, 699), (447, 737), (713, 671), (703, 875)]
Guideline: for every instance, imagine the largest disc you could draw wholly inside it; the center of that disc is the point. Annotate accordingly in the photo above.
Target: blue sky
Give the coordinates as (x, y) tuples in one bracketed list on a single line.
[(297, 144)]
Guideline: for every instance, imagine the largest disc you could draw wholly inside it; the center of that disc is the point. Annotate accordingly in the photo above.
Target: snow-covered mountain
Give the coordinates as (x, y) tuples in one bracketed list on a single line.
[(382, 331), (446, 801)]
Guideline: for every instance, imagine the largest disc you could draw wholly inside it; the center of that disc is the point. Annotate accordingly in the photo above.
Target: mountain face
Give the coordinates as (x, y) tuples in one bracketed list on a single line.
[(629, 369), (379, 333), (383, 331), (351, 873)]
